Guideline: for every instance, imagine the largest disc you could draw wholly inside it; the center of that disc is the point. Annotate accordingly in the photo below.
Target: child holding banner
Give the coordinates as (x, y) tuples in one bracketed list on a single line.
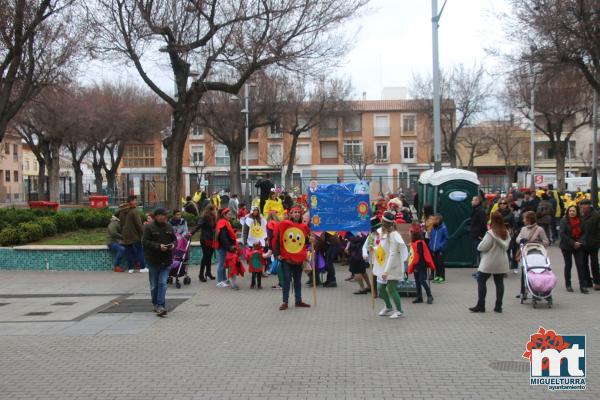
[(390, 254)]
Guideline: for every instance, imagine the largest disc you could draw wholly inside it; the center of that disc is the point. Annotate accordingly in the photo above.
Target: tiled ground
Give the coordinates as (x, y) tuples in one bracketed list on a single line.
[(222, 344)]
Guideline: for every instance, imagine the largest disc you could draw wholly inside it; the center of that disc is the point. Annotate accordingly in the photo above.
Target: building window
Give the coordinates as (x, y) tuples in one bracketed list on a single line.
[(16, 176), (409, 152), (221, 155), (35, 166), (27, 165), (382, 125), (197, 155), (197, 130), (303, 154), (275, 156), (329, 150), (252, 154), (15, 152), (353, 123), (139, 156), (275, 130), (6, 148), (408, 123), (6, 176), (352, 149), (328, 127), (303, 124), (381, 152)]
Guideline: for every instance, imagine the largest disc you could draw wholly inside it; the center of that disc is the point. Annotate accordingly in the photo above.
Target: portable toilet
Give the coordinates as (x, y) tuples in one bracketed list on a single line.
[(424, 191), (452, 191)]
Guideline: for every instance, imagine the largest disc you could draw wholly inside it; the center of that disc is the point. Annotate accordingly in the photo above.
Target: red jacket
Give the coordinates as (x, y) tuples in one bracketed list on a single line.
[(292, 239), (224, 224), (414, 258)]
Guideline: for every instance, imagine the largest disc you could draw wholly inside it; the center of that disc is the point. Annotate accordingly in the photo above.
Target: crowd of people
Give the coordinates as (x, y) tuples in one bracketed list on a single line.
[(274, 239)]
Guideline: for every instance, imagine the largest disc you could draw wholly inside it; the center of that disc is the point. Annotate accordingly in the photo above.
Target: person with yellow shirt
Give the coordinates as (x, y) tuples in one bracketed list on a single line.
[(274, 204)]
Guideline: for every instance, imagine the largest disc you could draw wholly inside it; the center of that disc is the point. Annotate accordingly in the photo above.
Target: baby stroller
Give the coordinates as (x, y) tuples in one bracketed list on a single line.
[(179, 267), (537, 279)]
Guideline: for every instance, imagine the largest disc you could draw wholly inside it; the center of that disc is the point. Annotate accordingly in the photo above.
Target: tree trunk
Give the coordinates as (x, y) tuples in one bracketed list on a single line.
[(175, 145), (452, 158), (289, 173), (98, 179), (111, 181), (560, 169), (78, 181), (41, 178), (52, 157), (235, 176)]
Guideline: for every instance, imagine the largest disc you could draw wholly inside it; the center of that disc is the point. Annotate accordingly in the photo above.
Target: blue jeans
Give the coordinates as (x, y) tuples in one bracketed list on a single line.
[(221, 254), (158, 284), (290, 272), (119, 253), (135, 254)]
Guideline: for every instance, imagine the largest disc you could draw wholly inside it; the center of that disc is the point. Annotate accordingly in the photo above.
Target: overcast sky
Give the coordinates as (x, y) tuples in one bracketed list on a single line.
[(393, 43)]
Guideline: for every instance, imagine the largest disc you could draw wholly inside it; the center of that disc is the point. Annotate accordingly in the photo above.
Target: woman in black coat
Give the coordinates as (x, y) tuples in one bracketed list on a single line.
[(570, 232), (206, 225)]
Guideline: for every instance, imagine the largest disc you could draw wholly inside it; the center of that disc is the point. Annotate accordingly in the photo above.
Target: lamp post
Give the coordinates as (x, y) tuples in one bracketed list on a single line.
[(437, 128), (594, 186), (532, 126)]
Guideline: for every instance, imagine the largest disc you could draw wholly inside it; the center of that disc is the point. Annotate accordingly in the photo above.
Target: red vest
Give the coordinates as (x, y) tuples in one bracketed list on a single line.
[(414, 258), (293, 238)]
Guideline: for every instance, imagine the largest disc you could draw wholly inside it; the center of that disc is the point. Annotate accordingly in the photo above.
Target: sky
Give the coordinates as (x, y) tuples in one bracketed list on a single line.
[(392, 43)]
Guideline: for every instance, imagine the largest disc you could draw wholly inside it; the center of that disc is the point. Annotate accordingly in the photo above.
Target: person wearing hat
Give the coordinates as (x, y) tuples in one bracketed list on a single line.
[(226, 241), (590, 239), (159, 240)]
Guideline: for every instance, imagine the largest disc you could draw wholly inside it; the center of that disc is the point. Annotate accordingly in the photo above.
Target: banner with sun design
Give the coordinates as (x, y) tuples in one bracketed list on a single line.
[(339, 207)]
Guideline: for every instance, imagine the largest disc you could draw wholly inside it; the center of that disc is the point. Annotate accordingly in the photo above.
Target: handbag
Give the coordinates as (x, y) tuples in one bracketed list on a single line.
[(275, 265)]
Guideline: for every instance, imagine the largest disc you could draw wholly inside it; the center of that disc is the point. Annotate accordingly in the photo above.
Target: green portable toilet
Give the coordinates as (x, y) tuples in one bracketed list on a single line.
[(424, 191), (452, 191)]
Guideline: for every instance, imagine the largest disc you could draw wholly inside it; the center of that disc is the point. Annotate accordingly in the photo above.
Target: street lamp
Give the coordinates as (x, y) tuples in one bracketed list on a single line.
[(246, 112), (532, 120), (437, 128), (594, 186)]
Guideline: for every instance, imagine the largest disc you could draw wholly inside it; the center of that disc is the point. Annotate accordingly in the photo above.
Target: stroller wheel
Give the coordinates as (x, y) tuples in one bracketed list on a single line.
[(177, 284), (187, 280), (169, 280)]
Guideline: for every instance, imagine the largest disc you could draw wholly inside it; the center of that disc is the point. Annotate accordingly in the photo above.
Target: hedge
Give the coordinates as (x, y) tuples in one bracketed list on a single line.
[(20, 226)]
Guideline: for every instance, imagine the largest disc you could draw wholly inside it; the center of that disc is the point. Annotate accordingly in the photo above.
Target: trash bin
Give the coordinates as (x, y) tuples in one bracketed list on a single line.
[(98, 201), (44, 205), (450, 191)]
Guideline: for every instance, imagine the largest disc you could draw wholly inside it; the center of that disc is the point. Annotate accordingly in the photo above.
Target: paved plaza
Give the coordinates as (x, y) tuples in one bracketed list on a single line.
[(57, 343)]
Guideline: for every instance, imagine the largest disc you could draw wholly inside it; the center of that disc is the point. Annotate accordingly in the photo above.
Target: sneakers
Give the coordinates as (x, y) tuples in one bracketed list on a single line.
[(301, 304), (385, 312), (223, 284), (516, 271), (397, 314), (439, 279), (118, 269), (130, 271), (144, 270), (276, 287), (161, 312)]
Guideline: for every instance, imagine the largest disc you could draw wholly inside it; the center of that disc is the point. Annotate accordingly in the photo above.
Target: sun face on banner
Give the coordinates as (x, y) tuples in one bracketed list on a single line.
[(293, 240)]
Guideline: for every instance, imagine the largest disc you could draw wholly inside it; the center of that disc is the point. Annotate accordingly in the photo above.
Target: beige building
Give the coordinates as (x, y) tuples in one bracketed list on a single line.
[(11, 171), (395, 134), (31, 169)]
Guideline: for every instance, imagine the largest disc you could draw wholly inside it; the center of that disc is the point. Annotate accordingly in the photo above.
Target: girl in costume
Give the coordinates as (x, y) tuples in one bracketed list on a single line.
[(418, 261), (257, 228), (390, 254), (257, 259)]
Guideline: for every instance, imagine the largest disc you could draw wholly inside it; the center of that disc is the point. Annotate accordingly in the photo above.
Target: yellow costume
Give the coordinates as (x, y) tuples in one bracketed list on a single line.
[(274, 205)]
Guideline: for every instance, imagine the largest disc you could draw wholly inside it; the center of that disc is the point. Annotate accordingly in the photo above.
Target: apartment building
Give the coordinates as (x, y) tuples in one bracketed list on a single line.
[(394, 135), (11, 170)]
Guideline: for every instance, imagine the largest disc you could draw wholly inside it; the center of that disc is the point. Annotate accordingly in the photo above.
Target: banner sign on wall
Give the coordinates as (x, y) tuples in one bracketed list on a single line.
[(339, 207)]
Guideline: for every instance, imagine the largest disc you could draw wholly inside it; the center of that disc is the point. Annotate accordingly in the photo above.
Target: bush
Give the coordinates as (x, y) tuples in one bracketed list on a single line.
[(192, 219), (9, 237), (65, 222), (48, 226), (30, 232), (91, 218)]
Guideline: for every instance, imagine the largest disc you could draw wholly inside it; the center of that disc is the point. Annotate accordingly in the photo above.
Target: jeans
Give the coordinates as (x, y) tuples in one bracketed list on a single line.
[(438, 260), (158, 284), (476, 255), (482, 289), (590, 260), (221, 254), (568, 256), (330, 255), (390, 290), (291, 271), (135, 255), (421, 281), (207, 253), (119, 253)]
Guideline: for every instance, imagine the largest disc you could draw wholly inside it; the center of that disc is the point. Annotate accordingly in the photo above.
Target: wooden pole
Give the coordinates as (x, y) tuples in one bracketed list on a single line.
[(314, 280)]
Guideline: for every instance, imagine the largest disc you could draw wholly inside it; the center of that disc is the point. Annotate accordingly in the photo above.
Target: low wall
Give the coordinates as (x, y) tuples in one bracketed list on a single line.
[(66, 258)]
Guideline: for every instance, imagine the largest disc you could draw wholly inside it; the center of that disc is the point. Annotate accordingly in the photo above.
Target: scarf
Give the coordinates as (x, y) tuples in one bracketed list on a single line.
[(575, 224)]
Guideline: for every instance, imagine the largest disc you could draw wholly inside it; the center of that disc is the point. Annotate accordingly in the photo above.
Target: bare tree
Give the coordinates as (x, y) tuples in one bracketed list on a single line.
[(476, 142), (513, 147), (37, 42), (237, 36), (359, 161), (562, 106), (464, 92)]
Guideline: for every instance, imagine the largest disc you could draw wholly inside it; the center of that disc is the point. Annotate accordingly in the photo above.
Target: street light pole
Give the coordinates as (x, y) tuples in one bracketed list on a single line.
[(594, 186), (437, 134), (532, 120)]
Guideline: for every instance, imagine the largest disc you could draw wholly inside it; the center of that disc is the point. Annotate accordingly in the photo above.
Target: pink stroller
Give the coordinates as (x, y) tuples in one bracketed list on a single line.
[(537, 280), (179, 267)]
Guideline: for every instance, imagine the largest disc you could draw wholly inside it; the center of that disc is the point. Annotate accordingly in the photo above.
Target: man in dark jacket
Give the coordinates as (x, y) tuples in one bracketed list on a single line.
[(190, 207), (159, 241), (590, 238), (132, 229), (478, 227), (264, 185)]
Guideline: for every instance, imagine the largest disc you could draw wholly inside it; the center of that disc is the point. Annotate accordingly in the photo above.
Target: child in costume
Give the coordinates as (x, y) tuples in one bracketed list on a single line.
[(234, 267), (257, 259), (418, 261), (390, 254)]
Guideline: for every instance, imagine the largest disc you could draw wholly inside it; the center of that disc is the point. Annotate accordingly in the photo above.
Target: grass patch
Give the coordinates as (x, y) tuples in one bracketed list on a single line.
[(95, 236)]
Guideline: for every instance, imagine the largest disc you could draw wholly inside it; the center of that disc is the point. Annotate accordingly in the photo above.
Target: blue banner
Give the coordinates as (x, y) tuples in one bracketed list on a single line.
[(339, 207)]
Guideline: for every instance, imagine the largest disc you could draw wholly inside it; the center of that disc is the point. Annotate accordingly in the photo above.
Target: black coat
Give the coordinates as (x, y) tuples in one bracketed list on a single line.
[(478, 223), (567, 241), (590, 228), (155, 235), (265, 186), (207, 230)]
